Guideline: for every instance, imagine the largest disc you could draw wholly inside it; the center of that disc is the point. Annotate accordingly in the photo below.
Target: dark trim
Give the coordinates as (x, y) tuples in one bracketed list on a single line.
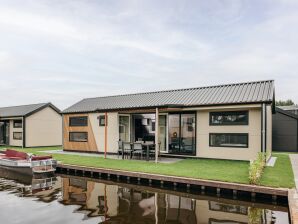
[(161, 107), (226, 113), (14, 122), (17, 132), (80, 117), (34, 111), (284, 112), (235, 134), (43, 107), (194, 153), (24, 132), (100, 117), (73, 132), (93, 152), (265, 128), (45, 146)]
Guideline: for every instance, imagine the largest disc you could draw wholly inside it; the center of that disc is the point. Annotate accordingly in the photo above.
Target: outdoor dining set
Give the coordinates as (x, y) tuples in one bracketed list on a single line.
[(136, 150)]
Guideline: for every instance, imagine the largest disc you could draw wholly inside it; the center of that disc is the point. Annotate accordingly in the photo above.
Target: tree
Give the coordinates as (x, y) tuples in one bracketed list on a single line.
[(288, 102)]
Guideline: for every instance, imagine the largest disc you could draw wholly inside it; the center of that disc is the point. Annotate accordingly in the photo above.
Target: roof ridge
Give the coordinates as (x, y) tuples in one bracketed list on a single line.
[(181, 89), (26, 105)]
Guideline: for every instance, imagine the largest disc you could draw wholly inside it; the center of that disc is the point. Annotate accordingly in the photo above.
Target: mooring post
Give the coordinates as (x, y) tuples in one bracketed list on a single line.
[(175, 185), (218, 191), (253, 196), (150, 182), (161, 183), (202, 189), (234, 194), (187, 187), (128, 179), (274, 199)]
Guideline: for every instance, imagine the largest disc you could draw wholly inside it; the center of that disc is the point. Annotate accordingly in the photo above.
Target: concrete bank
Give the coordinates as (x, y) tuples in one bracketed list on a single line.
[(175, 182)]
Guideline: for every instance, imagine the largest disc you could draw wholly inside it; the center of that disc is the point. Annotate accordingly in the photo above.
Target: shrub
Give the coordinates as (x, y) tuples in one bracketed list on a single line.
[(256, 169)]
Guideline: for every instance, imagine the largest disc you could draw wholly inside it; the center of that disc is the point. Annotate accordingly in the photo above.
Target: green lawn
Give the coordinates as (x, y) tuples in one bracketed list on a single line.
[(280, 175)]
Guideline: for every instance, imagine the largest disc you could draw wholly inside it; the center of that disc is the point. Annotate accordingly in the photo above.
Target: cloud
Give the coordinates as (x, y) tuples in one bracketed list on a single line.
[(63, 51)]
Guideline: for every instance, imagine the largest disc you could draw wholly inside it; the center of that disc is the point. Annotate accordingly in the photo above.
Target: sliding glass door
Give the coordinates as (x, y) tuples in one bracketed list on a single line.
[(124, 128), (163, 132), (182, 133)]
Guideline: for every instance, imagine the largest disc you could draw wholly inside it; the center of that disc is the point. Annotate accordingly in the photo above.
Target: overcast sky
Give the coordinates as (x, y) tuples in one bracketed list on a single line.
[(63, 51)]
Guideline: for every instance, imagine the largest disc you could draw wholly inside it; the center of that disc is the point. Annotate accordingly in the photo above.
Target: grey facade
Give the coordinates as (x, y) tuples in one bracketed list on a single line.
[(284, 131)]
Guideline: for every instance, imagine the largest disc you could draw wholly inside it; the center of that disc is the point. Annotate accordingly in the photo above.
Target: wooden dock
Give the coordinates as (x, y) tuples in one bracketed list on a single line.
[(175, 181)]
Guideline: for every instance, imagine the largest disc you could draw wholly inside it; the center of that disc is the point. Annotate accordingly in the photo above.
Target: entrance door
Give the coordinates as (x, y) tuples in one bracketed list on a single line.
[(182, 133), (4, 132), (124, 128)]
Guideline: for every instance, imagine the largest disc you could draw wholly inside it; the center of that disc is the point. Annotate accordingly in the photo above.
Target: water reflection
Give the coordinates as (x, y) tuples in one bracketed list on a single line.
[(120, 204), (82, 200)]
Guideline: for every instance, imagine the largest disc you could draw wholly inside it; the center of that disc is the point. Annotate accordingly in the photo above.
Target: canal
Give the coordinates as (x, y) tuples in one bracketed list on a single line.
[(74, 199)]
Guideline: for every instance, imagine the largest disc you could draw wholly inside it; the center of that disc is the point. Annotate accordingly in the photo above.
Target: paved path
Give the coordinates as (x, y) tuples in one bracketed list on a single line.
[(161, 159), (294, 161)]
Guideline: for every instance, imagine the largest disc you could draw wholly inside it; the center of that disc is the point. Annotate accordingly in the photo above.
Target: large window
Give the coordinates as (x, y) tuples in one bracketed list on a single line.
[(182, 133), (17, 135), (78, 121), (229, 118), (17, 124), (78, 136), (239, 140)]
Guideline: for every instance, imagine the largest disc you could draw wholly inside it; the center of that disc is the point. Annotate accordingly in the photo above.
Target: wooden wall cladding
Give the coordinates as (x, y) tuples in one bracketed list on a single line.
[(79, 146)]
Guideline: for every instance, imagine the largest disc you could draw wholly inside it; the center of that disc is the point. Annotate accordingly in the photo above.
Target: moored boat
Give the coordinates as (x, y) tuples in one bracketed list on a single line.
[(26, 163)]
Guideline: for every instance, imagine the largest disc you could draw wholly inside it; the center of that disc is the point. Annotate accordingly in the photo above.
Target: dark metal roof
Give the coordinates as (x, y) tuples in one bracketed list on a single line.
[(238, 93), (24, 110), (285, 112)]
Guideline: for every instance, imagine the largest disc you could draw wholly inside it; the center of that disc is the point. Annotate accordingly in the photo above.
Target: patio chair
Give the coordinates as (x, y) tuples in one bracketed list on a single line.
[(120, 147), (127, 150), (137, 149)]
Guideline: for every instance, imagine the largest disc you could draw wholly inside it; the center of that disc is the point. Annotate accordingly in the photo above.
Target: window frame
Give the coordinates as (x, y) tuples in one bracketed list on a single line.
[(19, 121), (231, 146), (77, 125), (100, 118), (227, 113), (76, 132), (17, 132)]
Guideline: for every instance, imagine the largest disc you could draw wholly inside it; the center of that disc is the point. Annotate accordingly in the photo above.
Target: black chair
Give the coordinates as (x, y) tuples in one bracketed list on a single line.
[(120, 148), (126, 150), (137, 149)]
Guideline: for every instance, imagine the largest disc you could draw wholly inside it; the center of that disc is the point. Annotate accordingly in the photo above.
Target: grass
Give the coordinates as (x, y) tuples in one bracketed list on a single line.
[(281, 175)]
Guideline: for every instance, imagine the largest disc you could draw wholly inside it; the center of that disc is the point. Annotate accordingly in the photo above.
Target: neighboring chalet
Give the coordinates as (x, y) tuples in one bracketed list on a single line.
[(285, 129), (232, 121), (31, 125)]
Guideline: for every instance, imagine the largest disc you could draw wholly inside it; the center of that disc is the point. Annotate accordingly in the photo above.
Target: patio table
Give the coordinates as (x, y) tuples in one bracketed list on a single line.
[(147, 145)]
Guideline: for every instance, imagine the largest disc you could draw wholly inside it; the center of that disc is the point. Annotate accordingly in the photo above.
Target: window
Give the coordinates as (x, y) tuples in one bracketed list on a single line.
[(229, 118), (17, 135), (102, 120), (78, 121), (17, 124), (238, 140), (78, 136)]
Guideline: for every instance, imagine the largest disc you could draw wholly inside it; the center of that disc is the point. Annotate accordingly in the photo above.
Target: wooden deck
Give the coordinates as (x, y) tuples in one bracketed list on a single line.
[(189, 182)]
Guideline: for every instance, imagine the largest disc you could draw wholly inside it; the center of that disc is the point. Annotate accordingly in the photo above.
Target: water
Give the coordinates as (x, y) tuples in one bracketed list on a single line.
[(81, 200)]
